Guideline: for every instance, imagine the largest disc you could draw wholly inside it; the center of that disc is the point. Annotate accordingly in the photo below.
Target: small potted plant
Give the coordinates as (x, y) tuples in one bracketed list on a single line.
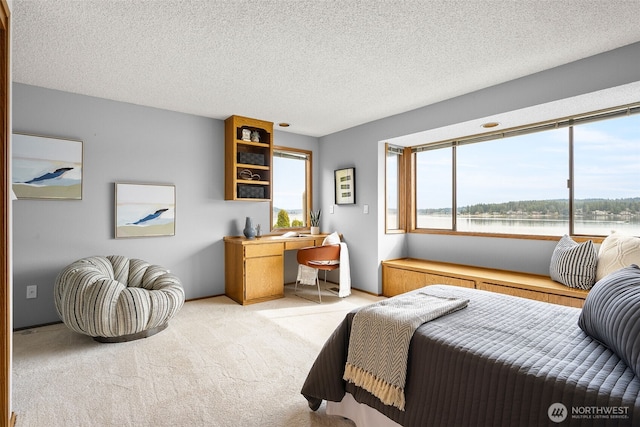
[(315, 221)]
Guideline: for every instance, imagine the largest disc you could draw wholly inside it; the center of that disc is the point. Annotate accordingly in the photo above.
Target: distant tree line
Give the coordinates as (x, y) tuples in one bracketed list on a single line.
[(559, 207)]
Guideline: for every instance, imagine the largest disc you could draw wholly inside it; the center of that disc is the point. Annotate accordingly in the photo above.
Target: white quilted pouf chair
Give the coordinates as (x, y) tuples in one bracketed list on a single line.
[(115, 299)]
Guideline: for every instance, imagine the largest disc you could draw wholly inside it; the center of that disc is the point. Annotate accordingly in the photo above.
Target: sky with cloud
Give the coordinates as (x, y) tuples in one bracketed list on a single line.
[(536, 166)]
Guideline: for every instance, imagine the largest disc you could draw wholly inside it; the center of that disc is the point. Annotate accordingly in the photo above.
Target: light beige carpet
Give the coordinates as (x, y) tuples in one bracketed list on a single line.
[(217, 364)]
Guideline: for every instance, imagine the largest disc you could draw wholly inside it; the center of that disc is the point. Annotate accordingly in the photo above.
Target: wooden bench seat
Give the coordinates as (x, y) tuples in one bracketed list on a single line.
[(407, 274)]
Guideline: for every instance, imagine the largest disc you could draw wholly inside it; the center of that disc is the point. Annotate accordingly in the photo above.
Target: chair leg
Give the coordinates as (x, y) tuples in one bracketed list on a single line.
[(319, 295)]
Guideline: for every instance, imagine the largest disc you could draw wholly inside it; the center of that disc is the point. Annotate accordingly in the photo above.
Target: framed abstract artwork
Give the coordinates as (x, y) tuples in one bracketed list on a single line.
[(46, 168), (345, 182), (145, 210)]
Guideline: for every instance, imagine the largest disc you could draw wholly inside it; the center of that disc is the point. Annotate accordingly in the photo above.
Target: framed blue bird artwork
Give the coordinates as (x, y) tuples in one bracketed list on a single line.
[(145, 210), (46, 167)]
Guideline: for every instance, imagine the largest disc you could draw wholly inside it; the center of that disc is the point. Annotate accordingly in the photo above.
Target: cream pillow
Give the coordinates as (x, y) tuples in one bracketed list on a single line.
[(617, 251), (332, 239)]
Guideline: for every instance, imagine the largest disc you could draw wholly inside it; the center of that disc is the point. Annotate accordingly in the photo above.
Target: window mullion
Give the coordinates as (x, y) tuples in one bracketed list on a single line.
[(570, 184), (454, 184)]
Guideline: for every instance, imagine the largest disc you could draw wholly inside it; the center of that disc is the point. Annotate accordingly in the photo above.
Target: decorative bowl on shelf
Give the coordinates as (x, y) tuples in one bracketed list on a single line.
[(247, 174)]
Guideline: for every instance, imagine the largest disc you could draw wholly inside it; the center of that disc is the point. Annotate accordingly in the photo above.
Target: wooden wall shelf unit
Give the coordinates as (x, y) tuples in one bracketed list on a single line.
[(407, 274), (248, 159)]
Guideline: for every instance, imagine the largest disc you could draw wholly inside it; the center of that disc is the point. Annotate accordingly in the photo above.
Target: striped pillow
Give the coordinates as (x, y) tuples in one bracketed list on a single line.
[(611, 314), (574, 264)]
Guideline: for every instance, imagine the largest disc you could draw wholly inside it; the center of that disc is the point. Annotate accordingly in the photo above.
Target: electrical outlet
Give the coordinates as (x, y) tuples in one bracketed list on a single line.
[(331, 209), (32, 291), (366, 209)]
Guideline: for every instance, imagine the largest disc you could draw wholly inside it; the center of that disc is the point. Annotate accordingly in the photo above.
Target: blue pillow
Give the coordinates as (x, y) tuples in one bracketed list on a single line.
[(611, 314)]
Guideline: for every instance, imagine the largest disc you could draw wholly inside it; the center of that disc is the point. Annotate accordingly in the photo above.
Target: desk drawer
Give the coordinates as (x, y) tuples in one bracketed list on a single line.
[(268, 249), (297, 244)]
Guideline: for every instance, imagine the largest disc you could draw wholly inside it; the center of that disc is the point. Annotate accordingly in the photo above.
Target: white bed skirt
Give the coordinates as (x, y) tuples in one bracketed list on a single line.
[(359, 413)]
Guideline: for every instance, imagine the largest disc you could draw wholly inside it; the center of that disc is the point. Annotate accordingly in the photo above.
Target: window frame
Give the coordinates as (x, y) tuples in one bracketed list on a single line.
[(308, 184), (404, 154), (414, 186), (570, 122)]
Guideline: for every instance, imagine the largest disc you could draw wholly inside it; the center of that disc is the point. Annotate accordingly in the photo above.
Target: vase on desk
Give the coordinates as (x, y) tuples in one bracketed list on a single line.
[(315, 230), (249, 231)]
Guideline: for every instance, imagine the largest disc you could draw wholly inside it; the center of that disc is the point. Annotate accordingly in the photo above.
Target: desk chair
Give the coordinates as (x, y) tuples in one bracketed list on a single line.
[(314, 258)]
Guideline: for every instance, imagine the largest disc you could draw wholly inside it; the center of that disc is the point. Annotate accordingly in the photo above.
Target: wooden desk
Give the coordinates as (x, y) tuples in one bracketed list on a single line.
[(254, 269)]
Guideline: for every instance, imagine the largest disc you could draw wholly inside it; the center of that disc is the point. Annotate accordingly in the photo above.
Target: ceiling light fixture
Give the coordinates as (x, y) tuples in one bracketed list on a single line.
[(283, 125), (490, 125)]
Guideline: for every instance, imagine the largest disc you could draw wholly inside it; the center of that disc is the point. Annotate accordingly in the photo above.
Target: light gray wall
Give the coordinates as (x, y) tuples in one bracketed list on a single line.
[(363, 145), (124, 142), (127, 143)]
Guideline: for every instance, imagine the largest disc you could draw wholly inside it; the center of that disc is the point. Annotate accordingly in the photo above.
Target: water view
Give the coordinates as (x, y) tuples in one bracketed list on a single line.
[(597, 217), (531, 226)]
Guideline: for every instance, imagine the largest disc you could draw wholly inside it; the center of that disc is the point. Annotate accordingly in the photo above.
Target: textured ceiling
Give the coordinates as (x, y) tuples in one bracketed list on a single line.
[(323, 66)]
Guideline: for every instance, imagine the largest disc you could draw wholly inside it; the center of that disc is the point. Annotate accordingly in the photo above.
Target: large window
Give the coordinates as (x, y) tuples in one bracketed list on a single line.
[(291, 193), (607, 177), (580, 176), (516, 185), (434, 187)]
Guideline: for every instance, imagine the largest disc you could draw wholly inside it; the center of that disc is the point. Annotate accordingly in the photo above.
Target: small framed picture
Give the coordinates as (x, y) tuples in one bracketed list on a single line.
[(145, 210), (46, 167), (345, 182)]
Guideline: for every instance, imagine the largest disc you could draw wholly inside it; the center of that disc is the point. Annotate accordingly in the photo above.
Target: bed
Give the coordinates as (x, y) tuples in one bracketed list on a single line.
[(501, 361)]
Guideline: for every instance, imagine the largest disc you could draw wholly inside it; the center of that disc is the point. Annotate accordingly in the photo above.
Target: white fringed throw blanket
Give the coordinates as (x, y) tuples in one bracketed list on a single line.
[(380, 337)]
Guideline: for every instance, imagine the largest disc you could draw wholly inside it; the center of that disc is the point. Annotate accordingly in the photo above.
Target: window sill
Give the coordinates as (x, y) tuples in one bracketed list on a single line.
[(595, 239)]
